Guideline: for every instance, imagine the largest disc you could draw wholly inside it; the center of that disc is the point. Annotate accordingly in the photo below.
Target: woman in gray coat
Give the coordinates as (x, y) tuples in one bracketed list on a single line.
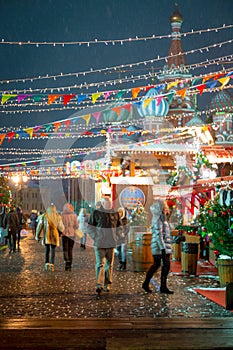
[(161, 245)]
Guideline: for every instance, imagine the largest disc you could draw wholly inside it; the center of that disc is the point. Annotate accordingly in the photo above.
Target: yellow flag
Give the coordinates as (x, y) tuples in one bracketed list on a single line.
[(96, 96)]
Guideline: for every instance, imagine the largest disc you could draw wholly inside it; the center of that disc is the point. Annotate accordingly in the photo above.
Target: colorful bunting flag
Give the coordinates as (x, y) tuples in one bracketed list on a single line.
[(52, 98)]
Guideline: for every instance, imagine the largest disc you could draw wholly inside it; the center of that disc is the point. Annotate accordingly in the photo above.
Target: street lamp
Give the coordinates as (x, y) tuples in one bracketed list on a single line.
[(19, 180)]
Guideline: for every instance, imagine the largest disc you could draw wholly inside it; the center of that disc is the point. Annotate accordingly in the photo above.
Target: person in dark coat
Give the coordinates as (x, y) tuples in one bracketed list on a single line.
[(12, 224), (161, 245), (105, 228), (122, 244), (21, 224), (3, 223)]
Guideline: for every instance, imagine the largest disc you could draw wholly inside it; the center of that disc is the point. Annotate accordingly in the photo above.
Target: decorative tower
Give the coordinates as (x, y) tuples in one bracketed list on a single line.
[(181, 106)]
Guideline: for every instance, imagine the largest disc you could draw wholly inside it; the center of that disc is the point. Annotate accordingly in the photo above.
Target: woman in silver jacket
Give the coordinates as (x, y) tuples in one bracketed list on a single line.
[(161, 245)]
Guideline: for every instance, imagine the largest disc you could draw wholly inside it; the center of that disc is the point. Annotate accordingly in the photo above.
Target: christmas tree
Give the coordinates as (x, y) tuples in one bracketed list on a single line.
[(4, 191), (138, 216), (216, 221)]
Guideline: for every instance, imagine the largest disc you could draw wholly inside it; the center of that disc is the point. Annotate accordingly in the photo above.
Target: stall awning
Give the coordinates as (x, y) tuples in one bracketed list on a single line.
[(219, 154)]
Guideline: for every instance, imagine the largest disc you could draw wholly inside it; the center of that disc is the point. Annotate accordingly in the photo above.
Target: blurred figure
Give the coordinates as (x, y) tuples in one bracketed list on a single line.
[(3, 224), (83, 223), (70, 221), (33, 221), (12, 225), (161, 245), (122, 244), (21, 225), (47, 229), (105, 228)]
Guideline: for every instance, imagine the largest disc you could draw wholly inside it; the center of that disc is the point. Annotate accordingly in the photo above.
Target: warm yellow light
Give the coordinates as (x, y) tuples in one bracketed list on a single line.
[(16, 179), (25, 178)]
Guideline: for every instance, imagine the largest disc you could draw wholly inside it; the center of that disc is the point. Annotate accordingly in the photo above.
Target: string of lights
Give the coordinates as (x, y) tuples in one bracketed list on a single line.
[(120, 67), (111, 41)]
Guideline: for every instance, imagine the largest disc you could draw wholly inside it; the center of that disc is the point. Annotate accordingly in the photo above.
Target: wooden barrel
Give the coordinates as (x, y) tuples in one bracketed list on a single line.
[(225, 271), (139, 255), (176, 251), (189, 254)]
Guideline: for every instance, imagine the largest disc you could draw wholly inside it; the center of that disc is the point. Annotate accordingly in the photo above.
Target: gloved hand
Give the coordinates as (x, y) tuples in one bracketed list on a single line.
[(163, 252)]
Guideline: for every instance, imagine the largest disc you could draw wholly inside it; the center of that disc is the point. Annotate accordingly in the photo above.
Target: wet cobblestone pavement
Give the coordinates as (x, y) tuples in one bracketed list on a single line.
[(26, 290)]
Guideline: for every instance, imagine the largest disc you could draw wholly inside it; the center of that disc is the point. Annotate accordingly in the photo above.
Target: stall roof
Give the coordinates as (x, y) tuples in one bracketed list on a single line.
[(219, 154)]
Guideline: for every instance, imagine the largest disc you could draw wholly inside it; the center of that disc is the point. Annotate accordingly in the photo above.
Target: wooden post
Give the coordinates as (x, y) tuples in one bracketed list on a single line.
[(132, 167)]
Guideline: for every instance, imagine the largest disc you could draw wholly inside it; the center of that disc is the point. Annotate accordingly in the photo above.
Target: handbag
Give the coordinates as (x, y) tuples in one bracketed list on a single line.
[(78, 233), (4, 232)]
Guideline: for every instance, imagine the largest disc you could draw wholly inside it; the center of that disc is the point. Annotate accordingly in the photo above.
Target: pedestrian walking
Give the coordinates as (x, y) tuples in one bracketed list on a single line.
[(83, 223), (48, 226), (161, 246), (105, 228), (122, 244), (33, 221), (3, 225), (70, 221), (21, 225), (12, 225)]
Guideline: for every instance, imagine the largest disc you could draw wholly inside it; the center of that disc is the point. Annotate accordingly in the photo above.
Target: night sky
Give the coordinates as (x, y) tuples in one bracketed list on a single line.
[(87, 20)]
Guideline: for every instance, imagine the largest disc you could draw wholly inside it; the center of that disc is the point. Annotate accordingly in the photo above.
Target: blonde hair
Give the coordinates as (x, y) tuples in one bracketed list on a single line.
[(122, 210), (51, 213)]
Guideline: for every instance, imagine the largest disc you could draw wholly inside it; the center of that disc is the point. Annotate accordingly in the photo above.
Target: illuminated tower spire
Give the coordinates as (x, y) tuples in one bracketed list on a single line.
[(175, 56)]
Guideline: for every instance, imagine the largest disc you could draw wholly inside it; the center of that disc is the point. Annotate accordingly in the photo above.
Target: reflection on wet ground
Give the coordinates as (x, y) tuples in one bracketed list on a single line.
[(29, 291)]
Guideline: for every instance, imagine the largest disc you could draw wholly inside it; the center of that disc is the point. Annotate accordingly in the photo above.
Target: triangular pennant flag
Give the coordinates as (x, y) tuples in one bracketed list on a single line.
[(135, 92), (52, 98), (170, 97), (96, 115), (147, 102), (48, 127), (95, 97), (21, 133), (120, 94), (22, 97), (56, 126), (182, 92), (207, 78), (147, 88), (67, 98), (29, 131), (87, 118), (10, 135), (37, 98), (127, 107), (107, 94), (158, 100), (2, 137), (53, 159), (43, 134), (117, 110), (229, 74), (81, 98), (211, 84), (201, 88), (36, 128), (160, 87), (6, 97), (171, 84), (218, 76), (67, 123), (224, 81)]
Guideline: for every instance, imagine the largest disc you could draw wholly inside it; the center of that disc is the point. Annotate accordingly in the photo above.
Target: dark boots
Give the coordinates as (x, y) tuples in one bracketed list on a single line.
[(68, 266), (121, 266), (163, 286)]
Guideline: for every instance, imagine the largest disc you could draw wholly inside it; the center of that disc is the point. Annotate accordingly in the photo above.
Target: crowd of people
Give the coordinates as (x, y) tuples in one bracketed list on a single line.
[(108, 229)]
